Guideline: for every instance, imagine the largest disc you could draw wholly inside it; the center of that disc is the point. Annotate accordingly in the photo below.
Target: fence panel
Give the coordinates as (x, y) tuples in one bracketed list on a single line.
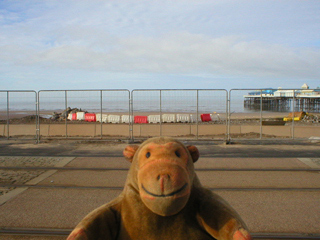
[(18, 114), (212, 104), (84, 113), (265, 113), (177, 113), (205, 114)]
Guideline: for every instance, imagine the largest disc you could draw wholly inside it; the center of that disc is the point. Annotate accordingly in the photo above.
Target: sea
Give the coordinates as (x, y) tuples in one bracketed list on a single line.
[(140, 101)]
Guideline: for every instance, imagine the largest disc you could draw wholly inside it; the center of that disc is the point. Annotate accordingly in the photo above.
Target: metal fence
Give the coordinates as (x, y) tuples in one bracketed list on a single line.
[(70, 108), (195, 114), (180, 113), (18, 114), (273, 114)]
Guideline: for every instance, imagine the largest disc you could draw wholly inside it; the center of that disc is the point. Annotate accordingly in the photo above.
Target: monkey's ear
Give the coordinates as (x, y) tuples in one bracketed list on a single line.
[(129, 152), (194, 152)]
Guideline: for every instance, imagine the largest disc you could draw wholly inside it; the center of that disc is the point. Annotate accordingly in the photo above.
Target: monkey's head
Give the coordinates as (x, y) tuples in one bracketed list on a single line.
[(164, 173)]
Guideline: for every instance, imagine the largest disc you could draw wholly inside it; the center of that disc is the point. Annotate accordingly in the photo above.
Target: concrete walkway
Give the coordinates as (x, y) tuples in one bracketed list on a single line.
[(290, 210)]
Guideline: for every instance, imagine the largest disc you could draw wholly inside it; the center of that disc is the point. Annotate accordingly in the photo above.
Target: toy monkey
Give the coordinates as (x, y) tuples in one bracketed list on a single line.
[(162, 199)]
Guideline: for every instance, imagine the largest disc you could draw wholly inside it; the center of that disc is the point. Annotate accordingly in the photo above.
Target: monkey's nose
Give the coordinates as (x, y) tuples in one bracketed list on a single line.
[(163, 177), (163, 180)]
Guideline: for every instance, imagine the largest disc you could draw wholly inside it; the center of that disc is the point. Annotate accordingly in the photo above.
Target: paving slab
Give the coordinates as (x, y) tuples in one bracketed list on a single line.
[(87, 178), (26, 176), (277, 211), (99, 162), (253, 163), (52, 208), (203, 162), (260, 179), (210, 179), (263, 211)]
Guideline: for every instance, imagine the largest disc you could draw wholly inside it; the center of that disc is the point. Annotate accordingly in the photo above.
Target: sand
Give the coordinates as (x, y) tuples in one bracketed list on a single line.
[(242, 125)]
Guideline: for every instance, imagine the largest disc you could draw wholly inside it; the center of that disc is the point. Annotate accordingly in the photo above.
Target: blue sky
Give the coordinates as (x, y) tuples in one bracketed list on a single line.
[(179, 44)]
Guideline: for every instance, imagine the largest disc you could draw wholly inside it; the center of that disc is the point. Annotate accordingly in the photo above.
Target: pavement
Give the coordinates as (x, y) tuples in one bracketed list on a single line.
[(292, 209)]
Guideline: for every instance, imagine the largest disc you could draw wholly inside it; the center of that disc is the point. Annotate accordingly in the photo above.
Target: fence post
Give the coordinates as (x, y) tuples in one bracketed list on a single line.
[(293, 108), (101, 114), (197, 121), (226, 135), (228, 117), (160, 112), (37, 119), (8, 115), (131, 119), (261, 114), (66, 107)]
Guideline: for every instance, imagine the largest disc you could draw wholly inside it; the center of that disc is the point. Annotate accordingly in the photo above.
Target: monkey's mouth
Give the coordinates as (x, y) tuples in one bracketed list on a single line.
[(165, 195)]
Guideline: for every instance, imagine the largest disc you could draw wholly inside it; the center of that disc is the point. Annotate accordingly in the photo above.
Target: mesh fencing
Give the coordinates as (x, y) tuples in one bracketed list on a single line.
[(190, 114)]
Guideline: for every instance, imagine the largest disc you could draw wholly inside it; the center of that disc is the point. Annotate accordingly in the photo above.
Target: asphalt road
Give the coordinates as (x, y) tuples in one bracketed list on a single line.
[(75, 148)]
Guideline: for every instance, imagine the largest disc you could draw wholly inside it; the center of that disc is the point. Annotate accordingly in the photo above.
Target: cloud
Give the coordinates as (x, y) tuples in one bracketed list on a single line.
[(211, 39), (176, 53)]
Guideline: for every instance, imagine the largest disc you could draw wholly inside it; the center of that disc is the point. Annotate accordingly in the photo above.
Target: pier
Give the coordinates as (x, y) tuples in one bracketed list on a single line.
[(279, 100), (282, 104)]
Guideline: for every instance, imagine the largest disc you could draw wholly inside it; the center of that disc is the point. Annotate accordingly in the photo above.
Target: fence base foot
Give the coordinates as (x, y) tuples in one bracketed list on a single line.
[(228, 142)]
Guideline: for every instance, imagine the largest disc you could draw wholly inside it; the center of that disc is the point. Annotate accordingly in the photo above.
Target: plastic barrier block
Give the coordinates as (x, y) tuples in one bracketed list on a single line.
[(154, 118), (205, 117), (169, 118), (113, 119), (140, 119), (69, 116), (101, 118), (183, 118), (193, 118), (90, 117), (72, 116), (126, 119), (215, 117), (80, 116)]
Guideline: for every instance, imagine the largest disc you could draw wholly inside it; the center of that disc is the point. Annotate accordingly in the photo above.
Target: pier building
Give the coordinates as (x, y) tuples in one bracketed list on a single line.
[(284, 100)]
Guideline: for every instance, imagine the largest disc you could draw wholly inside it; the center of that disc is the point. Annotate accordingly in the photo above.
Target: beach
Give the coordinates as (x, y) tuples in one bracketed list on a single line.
[(241, 125)]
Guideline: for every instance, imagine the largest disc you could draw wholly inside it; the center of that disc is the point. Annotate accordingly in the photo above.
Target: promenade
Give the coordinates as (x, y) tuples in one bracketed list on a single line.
[(275, 188)]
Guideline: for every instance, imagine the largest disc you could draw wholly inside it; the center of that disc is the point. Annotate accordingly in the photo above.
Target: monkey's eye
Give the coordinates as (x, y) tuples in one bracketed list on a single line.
[(148, 154), (177, 153)]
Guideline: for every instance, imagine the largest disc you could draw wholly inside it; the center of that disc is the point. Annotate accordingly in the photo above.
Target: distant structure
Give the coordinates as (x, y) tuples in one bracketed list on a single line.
[(284, 100)]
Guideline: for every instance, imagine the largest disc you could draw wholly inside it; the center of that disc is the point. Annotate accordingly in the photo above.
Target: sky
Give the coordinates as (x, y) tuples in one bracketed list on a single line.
[(151, 44)]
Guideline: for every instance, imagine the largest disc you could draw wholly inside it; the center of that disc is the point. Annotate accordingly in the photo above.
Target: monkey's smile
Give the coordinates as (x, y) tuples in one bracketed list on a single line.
[(165, 195)]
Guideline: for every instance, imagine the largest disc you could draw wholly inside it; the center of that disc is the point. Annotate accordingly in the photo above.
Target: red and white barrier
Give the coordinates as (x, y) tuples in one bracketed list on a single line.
[(90, 117), (140, 119)]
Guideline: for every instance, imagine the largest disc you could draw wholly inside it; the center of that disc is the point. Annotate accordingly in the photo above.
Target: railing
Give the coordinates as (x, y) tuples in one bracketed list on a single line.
[(265, 114), (178, 112), (190, 114), (15, 107), (97, 102)]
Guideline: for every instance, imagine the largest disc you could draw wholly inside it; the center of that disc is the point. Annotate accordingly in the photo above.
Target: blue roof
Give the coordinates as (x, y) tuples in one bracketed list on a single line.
[(265, 91)]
